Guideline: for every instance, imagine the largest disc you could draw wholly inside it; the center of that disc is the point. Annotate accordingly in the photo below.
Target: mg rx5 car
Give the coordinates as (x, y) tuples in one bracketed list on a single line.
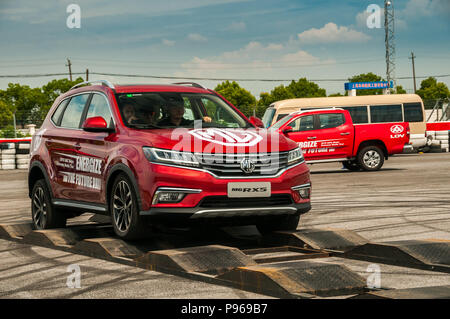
[(162, 153)]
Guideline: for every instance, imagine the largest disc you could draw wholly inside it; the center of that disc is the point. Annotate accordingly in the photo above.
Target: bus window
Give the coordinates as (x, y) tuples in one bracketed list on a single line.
[(413, 112), (386, 113), (268, 116), (280, 116), (358, 113)]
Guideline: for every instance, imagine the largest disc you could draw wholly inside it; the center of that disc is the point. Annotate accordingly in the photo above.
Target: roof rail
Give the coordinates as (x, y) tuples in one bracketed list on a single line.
[(191, 84), (103, 82)]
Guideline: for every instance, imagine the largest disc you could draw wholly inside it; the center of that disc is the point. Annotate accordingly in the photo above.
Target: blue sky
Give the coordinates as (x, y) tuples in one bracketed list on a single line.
[(320, 39)]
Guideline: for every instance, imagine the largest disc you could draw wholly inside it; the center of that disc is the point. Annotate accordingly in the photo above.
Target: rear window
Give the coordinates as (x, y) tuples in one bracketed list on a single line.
[(413, 112), (280, 116), (359, 114), (386, 113)]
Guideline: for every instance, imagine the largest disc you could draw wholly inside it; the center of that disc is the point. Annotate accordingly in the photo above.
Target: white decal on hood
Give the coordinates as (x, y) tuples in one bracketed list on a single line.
[(227, 137)]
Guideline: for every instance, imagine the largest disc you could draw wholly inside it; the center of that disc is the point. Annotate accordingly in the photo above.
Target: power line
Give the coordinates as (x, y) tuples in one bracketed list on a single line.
[(196, 78)]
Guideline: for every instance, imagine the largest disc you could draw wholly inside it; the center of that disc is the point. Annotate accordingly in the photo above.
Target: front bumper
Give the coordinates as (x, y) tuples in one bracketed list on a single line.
[(202, 212)]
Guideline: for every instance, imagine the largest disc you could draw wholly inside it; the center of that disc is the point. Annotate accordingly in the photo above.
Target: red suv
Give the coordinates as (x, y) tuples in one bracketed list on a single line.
[(158, 153)]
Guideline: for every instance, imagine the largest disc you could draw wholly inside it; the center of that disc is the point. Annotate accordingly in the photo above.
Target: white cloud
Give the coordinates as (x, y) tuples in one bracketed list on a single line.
[(169, 43), (196, 37), (332, 33), (361, 20), (237, 26)]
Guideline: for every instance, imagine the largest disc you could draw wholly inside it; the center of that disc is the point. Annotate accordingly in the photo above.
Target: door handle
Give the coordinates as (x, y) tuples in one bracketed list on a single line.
[(312, 137), (346, 133)]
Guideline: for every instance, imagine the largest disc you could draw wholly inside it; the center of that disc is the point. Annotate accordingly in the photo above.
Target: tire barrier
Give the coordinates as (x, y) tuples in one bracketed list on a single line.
[(15, 155), (439, 141), (282, 264)]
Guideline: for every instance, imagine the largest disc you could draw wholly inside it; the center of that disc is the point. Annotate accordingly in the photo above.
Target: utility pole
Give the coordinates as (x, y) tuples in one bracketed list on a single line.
[(414, 69), (389, 41), (69, 64), (87, 74)]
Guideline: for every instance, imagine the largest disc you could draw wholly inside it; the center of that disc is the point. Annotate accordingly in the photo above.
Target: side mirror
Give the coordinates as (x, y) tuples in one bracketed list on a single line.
[(287, 129), (256, 121), (96, 124)]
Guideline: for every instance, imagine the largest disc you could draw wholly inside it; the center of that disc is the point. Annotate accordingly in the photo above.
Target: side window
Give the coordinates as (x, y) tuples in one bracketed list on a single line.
[(359, 114), (72, 114), (330, 120), (305, 123), (386, 113), (59, 109), (99, 107), (413, 112)]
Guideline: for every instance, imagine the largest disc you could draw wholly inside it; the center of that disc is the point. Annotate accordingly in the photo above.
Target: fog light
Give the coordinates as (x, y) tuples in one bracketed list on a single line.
[(166, 195), (303, 190)]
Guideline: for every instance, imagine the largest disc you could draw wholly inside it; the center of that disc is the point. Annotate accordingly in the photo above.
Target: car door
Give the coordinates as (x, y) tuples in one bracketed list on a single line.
[(334, 136), (62, 143), (304, 132), (94, 150)]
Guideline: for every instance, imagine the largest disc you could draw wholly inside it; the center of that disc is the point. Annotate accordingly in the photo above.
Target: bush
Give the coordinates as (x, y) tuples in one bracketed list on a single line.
[(8, 132)]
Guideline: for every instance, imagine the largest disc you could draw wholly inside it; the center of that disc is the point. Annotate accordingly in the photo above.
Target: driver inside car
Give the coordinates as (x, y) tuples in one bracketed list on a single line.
[(175, 117)]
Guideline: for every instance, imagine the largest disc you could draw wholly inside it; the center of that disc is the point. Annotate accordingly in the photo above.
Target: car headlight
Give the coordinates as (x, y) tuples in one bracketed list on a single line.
[(295, 156), (157, 155)]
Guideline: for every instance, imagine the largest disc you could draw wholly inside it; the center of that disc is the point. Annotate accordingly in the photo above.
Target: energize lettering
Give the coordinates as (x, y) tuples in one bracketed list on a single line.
[(89, 165), (307, 144)]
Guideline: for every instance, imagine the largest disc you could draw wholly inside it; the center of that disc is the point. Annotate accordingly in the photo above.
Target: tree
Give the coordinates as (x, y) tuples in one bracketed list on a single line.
[(22, 100), (400, 90), (6, 114), (335, 94), (367, 77), (430, 88), (296, 89), (238, 96)]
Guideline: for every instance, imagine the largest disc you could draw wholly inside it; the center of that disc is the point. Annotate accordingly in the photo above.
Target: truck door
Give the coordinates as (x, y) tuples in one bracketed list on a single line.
[(334, 136), (304, 132)]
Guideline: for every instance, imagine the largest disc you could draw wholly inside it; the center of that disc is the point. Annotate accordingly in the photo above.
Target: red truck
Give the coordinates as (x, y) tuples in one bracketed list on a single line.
[(329, 135)]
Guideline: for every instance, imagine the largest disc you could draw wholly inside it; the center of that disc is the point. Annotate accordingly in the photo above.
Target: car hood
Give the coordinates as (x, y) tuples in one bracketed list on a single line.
[(215, 140)]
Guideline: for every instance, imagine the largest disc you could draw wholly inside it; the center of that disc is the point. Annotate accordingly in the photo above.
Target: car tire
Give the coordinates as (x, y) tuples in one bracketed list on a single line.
[(124, 210), (44, 215), (351, 165), (370, 158), (289, 222)]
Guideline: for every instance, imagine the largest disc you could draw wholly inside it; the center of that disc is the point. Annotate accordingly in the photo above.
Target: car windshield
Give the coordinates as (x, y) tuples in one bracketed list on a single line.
[(173, 109)]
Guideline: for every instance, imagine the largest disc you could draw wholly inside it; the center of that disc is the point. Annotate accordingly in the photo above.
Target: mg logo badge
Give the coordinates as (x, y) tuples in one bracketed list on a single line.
[(396, 129), (247, 165), (230, 137)]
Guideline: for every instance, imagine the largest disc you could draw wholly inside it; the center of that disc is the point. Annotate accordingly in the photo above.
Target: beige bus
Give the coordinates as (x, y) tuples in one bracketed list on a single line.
[(363, 109)]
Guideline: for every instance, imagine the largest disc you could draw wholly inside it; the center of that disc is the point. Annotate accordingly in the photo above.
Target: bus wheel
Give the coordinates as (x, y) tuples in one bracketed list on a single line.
[(370, 158)]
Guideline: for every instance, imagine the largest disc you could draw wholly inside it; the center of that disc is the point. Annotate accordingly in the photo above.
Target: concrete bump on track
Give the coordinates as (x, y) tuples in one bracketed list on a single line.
[(63, 237), (14, 231), (211, 259), (339, 240), (436, 292), (428, 254), (107, 247), (296, 278)]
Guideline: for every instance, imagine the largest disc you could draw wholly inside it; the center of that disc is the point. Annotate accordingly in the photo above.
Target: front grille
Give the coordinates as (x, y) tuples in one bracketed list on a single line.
[(230, 164), (226, 202)]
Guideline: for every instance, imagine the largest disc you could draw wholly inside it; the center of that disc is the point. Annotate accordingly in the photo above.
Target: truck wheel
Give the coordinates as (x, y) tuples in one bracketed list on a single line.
[(289, 222), (370, 158), (123, 205), (43, 213), (351, 165)]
